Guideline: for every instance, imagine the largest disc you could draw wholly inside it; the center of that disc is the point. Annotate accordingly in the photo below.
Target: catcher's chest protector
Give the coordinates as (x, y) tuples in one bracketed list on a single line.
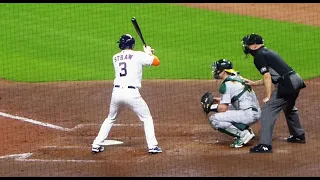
[(223, 87)]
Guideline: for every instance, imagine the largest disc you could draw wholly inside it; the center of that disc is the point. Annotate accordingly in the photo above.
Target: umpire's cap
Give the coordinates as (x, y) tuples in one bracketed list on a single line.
[(252, 39)]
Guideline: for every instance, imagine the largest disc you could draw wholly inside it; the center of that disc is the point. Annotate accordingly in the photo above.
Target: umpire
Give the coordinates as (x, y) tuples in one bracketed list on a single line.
[(287, 85)]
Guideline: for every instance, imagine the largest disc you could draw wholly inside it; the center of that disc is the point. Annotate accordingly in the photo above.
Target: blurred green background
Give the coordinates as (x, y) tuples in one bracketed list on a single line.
[(74, 42)]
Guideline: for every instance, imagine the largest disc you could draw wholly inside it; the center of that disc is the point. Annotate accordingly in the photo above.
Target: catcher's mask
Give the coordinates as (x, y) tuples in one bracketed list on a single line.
[(126, 41), (249, 40), (220, 65)]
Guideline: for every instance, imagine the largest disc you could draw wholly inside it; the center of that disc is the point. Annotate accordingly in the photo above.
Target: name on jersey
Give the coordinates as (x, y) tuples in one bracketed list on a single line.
[(122, 57)]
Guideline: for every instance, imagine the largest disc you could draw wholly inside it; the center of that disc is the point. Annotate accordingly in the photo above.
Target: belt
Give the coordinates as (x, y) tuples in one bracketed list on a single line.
[(131, 87), (288, 73), (285, 75), (253, 109)]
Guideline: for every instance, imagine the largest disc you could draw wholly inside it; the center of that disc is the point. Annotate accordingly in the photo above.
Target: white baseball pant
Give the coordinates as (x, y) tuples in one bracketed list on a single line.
[(133, 99)]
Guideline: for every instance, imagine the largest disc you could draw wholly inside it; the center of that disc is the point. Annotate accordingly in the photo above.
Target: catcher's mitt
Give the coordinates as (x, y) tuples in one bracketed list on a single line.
[(206, 102)]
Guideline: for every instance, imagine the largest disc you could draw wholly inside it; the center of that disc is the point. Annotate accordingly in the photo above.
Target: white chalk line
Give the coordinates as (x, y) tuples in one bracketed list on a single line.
[(17, 156), (61, 160), (25, 156), (77, 126), (104, 143), (55, 126), (34, 121), (63, 147)]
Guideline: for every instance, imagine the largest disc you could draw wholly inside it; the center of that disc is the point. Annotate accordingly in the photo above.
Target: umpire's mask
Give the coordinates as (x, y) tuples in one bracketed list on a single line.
[(249, 40)]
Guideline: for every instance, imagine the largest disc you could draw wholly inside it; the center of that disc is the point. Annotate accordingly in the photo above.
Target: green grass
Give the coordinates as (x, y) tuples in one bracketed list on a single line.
[(63, 42)]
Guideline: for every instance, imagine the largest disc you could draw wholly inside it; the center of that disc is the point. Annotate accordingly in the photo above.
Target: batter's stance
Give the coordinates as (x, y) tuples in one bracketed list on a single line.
[(236, 109), (287, 87), (128, 66)]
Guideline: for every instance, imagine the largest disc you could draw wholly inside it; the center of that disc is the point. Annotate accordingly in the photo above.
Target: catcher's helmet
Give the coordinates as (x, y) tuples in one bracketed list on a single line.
[(249, 40), (220, 65), (126, 42)]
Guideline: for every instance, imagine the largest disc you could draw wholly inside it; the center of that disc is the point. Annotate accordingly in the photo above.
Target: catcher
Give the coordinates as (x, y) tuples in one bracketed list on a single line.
[(236, 109)]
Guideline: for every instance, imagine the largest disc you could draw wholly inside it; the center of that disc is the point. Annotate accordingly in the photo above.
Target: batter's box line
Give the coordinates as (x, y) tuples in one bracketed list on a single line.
[(32, 121), (77, 126), (136, 125), (108, 142), (61, 160), (25, 156)]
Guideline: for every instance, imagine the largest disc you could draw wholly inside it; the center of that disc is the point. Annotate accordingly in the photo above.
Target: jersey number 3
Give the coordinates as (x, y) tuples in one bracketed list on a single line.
[(123, 67)]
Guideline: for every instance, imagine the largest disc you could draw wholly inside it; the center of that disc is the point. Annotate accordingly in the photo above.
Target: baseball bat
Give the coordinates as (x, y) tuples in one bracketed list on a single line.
[(138, 30)]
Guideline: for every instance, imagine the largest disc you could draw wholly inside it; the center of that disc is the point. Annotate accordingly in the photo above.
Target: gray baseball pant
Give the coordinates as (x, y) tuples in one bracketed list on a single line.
[(271, 110)]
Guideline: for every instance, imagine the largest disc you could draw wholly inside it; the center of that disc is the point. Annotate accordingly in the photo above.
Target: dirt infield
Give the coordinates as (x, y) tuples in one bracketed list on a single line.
[(191, 146), (47, 130)]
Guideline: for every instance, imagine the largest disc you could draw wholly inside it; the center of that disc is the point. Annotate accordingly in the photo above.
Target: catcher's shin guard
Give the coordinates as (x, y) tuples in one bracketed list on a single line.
[(240, 126), (234, 132)]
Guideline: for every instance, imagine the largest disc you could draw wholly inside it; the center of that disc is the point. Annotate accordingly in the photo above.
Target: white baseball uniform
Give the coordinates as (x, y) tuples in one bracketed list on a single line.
[(128, 66), (245, 110)]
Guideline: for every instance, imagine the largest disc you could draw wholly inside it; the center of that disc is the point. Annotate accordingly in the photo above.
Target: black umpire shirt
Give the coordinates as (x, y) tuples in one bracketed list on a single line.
[(267, 60)]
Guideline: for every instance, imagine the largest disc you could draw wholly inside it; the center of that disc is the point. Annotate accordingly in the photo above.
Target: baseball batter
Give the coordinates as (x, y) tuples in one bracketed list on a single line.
[(128, 66), (236, 109)]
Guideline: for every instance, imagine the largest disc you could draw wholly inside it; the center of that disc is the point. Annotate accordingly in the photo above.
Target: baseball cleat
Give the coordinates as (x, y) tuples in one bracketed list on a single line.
[(261, 148), (95, 150), (155, 150), (239, 142), (296, 139)]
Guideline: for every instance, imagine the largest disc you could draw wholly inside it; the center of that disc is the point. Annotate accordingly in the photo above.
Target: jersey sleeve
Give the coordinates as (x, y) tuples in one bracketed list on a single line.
[(146, 59), (261, 63)]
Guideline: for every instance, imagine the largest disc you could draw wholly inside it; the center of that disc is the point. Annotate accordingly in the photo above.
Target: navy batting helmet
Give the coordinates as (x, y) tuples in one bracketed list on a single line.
[(249, 40), (126, 42), (220, 65)]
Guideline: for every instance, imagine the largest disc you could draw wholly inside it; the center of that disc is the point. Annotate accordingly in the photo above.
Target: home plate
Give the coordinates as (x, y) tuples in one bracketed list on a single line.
[(111, 142)]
